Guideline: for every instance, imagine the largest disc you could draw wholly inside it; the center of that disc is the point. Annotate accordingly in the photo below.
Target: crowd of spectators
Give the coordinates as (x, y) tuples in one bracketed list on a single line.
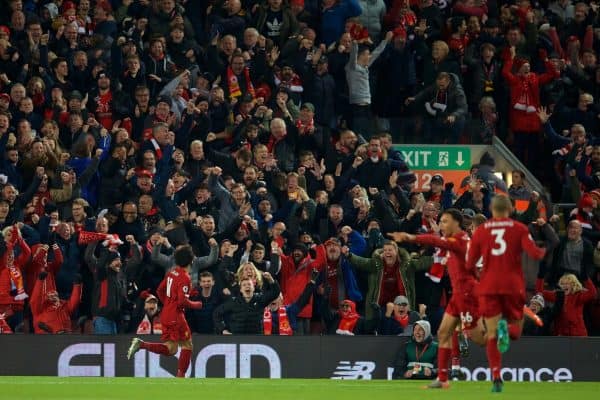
[(261, 133)]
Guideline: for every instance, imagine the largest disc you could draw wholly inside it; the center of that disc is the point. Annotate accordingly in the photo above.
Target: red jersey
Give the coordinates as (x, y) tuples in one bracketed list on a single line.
[(104, 112), (501, 242), (174, 293), (461, 278)]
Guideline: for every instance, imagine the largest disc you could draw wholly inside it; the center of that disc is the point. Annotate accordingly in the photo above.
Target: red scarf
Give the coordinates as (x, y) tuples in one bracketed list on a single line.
[(284, 324), (348, 319), (157, 148), (401, 319), (305, 129), (407, 18), (147, 327), (16, 278), (294, 84), (234, 86), (273, 142), (440, 259)]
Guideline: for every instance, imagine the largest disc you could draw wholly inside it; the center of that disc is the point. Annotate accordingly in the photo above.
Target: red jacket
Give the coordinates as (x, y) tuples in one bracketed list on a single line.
[(570, 320), (294, 279), (56, 316), (525, 92), (5, 297)]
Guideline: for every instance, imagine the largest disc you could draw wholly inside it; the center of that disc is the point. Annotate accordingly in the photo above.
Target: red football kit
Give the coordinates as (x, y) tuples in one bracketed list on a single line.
[(501, 242), (463, 303), (174, 292)]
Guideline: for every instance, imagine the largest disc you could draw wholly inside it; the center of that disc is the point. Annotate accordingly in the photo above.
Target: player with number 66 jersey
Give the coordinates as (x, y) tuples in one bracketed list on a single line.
[(462, 310)]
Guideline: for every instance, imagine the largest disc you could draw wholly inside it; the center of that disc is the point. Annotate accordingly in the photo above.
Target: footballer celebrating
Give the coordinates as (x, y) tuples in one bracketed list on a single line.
[(174, 292), (462, 310), (501, 242)]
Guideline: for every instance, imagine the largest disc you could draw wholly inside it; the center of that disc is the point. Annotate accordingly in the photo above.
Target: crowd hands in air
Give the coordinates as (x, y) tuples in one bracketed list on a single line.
[(261, 136)]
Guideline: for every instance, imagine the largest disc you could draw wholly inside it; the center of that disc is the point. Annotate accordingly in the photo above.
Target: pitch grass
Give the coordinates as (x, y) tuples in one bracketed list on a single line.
[(47, 388)]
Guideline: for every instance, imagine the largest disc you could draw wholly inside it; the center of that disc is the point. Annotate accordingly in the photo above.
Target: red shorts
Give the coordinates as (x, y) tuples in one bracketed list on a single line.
[(466, 307), (176, 332), (509, 305)]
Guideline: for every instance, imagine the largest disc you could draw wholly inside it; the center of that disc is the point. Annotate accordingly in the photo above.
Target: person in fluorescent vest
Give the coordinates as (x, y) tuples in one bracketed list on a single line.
[(281, 320), (417, 360)]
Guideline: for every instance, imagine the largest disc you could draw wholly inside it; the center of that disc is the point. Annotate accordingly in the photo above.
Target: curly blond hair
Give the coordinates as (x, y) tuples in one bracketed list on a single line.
[(257, 274), (571, 279)]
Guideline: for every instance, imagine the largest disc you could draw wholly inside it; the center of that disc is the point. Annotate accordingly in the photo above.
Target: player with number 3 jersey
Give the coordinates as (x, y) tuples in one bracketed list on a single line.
[(462, 310), (174, 292), (501, 242)]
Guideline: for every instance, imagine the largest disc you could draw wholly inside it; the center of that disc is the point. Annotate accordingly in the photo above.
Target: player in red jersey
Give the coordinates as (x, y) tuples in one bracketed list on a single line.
[(174, 292), (462, 310), (501, 242)]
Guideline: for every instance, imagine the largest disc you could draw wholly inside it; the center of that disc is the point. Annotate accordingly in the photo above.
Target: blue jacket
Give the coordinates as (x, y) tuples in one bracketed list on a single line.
[(358, 245), (334, 19), (90, 191)]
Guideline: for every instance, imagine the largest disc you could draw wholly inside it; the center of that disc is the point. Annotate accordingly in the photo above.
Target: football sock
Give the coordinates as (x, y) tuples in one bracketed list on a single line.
[(443, 362), (184, 362), (455, 363), (494, 357), (158, 348), (455, 345)]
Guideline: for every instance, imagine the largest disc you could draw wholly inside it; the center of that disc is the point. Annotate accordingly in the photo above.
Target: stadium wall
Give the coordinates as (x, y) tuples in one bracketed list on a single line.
[(530, 359)]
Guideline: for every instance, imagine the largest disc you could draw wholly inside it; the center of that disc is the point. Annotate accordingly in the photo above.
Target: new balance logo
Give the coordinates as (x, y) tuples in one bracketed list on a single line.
[(360, 370)]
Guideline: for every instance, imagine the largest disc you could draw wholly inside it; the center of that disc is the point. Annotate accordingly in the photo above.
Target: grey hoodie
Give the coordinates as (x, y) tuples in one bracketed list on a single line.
[(199, 263), (359, 89), (426, 327)]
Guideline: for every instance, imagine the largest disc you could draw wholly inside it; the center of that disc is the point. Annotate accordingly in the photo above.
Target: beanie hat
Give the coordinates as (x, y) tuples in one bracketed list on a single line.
[(538, 298)]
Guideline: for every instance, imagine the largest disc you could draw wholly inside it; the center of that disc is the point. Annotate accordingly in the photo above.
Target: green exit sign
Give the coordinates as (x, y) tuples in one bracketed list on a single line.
[(436, 158)]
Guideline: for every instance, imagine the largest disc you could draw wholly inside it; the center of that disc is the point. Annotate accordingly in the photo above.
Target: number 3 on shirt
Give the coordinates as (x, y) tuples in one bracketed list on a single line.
[(499, 242), (169, 284)]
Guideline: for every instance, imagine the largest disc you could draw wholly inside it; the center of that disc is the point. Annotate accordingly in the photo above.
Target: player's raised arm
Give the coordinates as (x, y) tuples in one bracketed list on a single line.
[(474, 250)]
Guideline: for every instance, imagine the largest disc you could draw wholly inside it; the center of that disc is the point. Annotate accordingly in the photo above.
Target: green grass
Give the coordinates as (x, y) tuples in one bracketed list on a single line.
[(297, 389)]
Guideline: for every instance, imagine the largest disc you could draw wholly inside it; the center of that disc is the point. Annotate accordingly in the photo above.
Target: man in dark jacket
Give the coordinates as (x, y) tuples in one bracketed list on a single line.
[(108, 293), (321, 91), (201, 321), (445, 106), (573, 255), (245, 312), (375, 171)]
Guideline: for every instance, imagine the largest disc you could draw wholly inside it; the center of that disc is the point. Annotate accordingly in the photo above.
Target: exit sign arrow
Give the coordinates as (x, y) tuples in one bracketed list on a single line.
[(460, 160)]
